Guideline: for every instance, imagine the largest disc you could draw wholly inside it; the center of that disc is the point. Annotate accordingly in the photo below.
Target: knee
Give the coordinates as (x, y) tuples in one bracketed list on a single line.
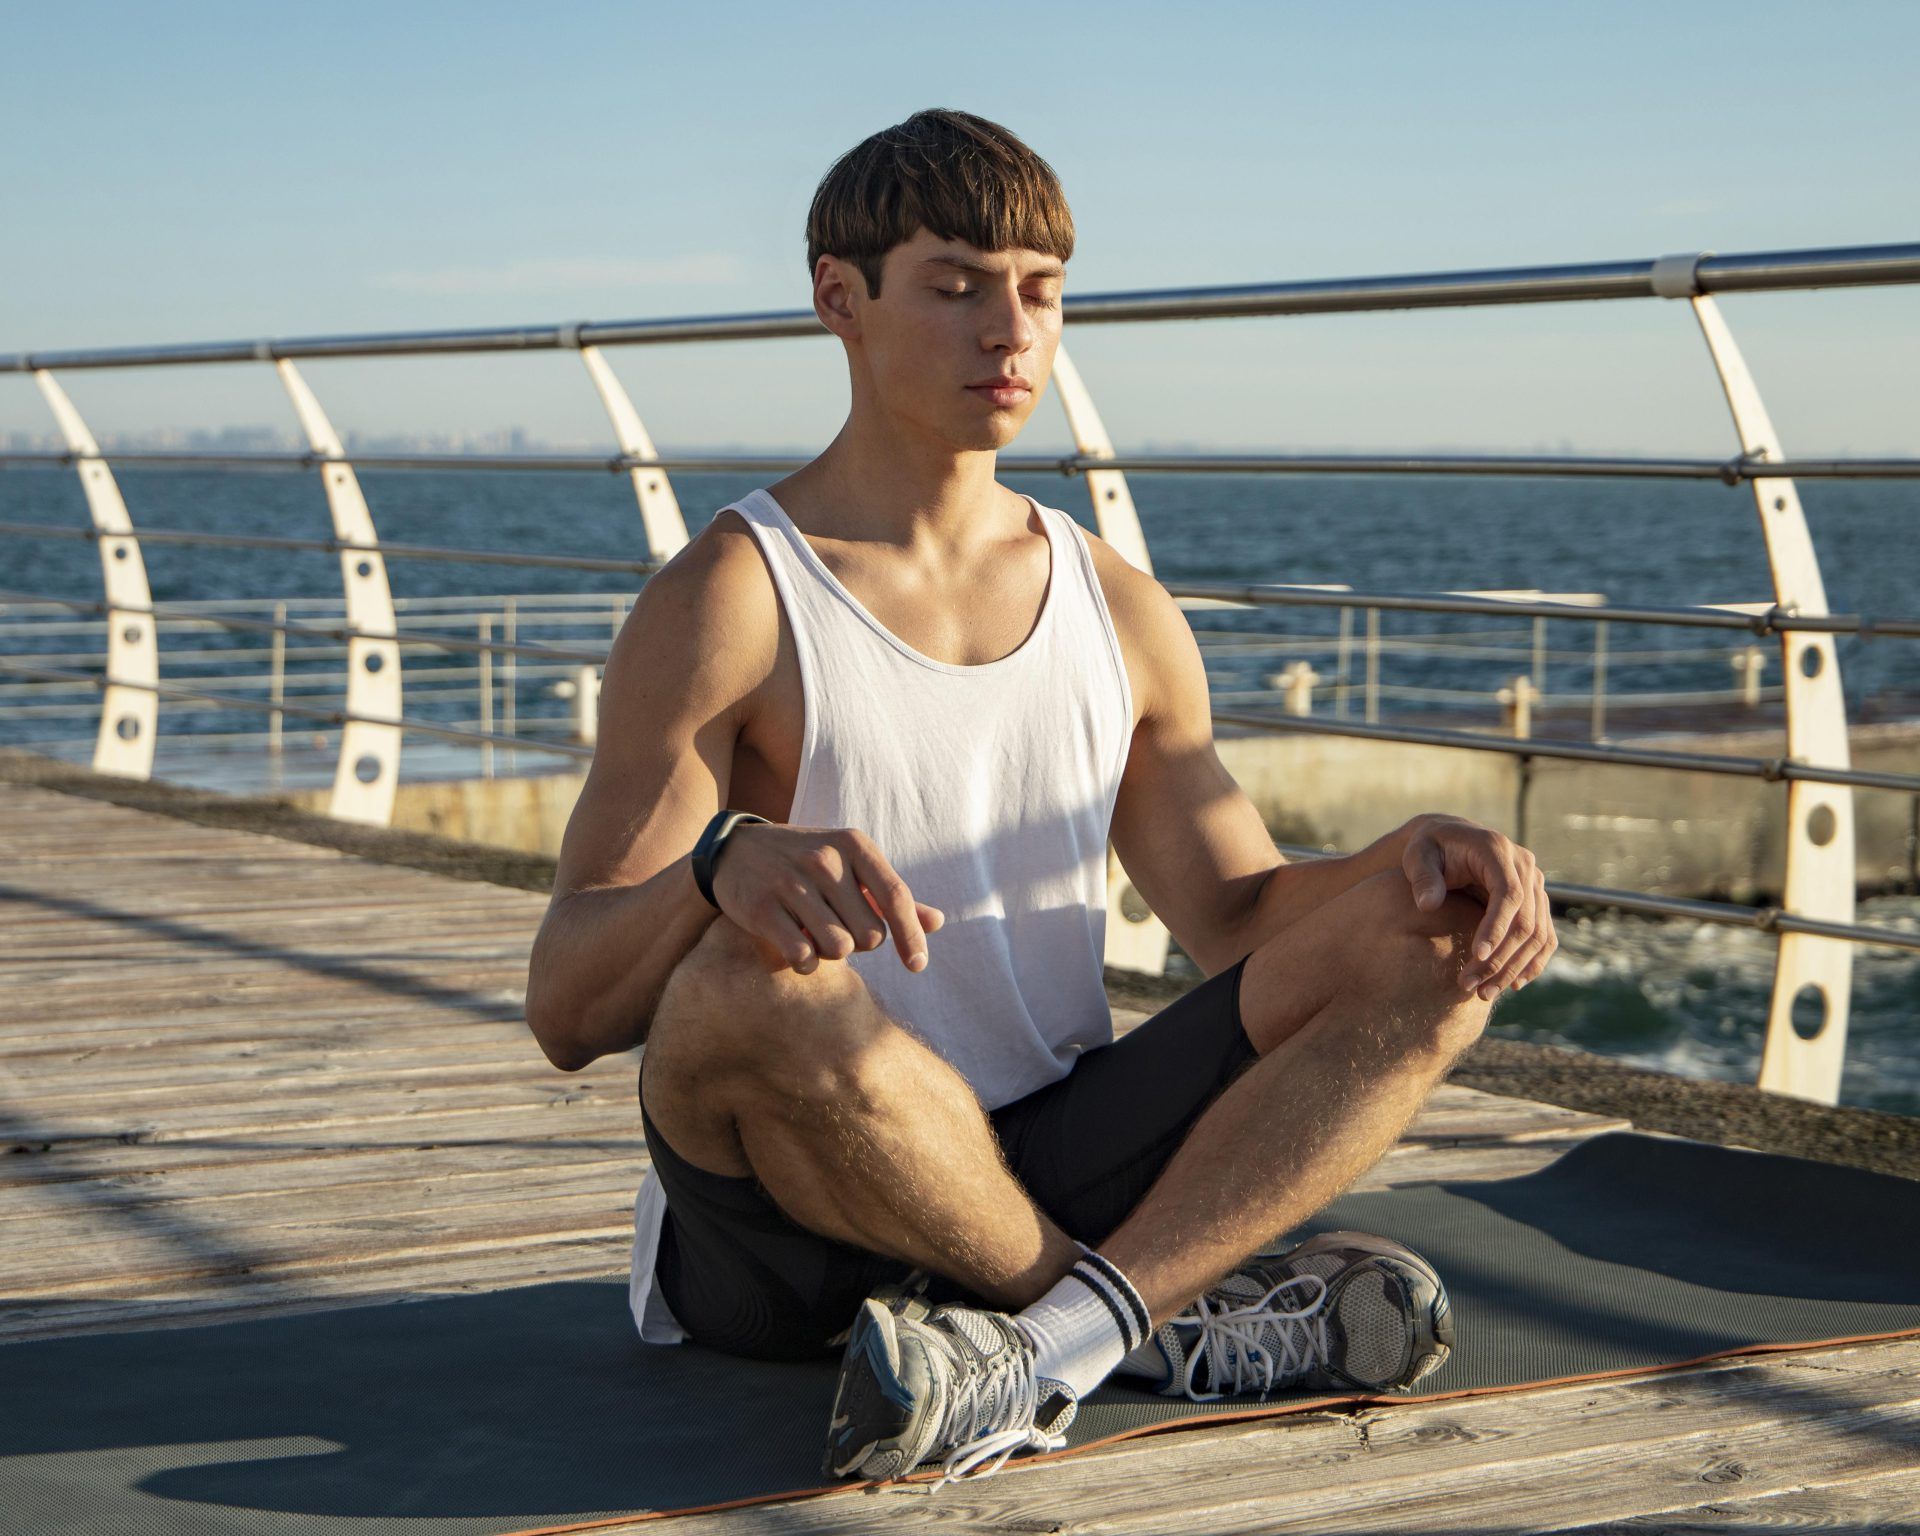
[(731, 1007), (1426, 953)]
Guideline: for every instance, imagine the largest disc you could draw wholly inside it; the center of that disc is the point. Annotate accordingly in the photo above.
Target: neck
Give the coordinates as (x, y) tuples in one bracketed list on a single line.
[(877, 483)]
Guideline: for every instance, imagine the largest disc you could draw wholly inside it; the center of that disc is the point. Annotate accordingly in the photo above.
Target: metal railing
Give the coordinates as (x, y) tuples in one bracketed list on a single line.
[(1803, 1055)]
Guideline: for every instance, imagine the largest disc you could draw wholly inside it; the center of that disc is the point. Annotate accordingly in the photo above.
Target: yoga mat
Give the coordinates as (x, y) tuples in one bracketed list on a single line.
[(537, 1408)]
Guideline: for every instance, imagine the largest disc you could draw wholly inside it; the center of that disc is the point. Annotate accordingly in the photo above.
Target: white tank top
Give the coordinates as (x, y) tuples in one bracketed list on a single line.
[(990, 789)]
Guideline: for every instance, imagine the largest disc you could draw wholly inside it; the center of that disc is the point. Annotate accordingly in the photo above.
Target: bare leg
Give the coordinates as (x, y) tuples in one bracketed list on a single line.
[(855, 1128), (1355, 1034)]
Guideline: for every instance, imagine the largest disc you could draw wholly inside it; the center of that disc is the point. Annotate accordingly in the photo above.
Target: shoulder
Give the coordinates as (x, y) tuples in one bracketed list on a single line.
[(1154, 634), (710, 615)]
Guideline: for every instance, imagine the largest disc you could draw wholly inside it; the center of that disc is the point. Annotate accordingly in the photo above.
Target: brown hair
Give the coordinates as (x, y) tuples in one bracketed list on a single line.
[(957, 175)]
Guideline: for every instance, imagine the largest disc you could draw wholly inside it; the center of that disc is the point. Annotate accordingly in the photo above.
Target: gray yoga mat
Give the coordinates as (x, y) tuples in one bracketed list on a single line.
[(537, 1407)]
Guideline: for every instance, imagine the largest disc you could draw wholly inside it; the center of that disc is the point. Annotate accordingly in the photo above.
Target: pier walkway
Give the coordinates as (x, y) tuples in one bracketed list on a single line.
[(243, 1075)]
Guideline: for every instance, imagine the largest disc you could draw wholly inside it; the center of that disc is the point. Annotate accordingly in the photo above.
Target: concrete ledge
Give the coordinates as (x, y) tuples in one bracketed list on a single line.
[(1732, 1114)]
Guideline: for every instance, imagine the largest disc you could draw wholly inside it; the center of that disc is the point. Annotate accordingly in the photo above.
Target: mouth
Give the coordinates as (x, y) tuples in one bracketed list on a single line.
[(1001, 392)]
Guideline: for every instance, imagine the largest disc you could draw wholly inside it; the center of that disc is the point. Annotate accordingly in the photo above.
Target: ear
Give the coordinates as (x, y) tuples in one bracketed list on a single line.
[(838, 292)]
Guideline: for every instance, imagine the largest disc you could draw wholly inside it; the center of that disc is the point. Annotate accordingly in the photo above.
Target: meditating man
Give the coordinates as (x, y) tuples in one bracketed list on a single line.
[(841, 865)]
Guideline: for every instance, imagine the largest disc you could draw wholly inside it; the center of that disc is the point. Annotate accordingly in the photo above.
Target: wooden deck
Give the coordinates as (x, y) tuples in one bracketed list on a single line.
[(242, 1075)]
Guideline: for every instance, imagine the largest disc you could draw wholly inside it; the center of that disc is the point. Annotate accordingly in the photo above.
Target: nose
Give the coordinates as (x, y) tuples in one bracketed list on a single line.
[(1008, 326)]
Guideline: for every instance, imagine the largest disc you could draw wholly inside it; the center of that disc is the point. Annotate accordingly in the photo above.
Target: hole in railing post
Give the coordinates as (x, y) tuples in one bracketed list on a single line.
[(1821, 825), (1808, 1012)]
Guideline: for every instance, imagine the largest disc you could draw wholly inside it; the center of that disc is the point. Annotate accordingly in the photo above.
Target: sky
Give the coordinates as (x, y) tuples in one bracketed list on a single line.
[(200, 171)]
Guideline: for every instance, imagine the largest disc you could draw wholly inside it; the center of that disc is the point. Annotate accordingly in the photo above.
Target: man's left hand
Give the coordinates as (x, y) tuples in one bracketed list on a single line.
[(1515, 939)]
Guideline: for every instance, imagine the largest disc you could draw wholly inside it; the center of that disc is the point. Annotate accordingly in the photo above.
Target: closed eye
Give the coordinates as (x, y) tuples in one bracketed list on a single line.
[(967, 293)]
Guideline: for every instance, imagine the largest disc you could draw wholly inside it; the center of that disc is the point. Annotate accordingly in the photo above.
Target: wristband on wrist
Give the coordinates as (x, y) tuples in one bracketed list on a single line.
[(706, 852)]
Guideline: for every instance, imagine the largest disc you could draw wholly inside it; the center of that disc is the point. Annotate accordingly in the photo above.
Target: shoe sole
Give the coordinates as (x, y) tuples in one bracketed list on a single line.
[(873, 1404)]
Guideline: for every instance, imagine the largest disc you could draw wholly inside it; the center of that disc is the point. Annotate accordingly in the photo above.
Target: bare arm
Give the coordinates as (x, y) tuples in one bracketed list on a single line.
[(1189, 838), (625, 909)]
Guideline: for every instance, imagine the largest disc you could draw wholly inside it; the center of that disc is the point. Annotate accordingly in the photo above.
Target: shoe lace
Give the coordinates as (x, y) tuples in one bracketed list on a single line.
[(1240, 1334), (991, 1411)]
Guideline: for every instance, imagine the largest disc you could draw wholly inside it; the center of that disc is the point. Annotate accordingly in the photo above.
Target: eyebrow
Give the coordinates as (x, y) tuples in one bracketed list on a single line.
[(960, 263)]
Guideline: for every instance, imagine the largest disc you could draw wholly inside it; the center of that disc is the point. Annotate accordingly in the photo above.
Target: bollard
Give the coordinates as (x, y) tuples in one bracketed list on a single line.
[(1297, 682), (1748, 663), (586, 705), (1517, 701)]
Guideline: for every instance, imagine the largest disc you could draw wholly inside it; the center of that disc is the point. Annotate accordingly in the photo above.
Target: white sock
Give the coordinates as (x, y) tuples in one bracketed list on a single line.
[(1085, 1325)]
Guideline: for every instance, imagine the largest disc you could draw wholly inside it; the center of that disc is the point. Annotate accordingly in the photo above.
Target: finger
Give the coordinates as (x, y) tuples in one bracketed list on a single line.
[(1550, 941), (777, 928), (848, 899), (1518, 937), (829, 934), (1505, 894), (1512, 968), (893, 901), (1426, 872)]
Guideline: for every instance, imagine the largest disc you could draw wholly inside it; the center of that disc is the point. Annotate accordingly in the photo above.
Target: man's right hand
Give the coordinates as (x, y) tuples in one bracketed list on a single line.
[(813, 892)]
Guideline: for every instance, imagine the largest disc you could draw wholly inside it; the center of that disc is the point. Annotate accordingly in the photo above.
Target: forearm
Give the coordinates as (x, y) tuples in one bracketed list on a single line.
[(1293, 889), (602, 959)]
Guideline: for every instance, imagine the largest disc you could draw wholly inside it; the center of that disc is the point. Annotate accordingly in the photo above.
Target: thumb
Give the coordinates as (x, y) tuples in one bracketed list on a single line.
[(1423, 869)]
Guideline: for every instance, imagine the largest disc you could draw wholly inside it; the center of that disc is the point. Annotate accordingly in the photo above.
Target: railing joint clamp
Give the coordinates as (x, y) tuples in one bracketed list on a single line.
[(1677, 277)]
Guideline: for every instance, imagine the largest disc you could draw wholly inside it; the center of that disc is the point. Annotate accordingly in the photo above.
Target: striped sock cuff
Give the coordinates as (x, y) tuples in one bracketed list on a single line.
[(1116, 1290)]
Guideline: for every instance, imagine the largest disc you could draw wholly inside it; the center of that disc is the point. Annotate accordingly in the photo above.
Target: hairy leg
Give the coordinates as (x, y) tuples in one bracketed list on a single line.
[(855, 1128), (1357, 1012)]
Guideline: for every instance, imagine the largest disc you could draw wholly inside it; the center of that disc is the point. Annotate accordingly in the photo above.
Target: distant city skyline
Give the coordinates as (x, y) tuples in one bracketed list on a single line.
[(207, 171)]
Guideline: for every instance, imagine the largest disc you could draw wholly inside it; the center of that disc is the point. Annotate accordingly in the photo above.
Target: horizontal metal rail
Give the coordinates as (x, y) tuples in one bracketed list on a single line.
[(1728, 914), (90, 535), (1733, 471), (1774, 770), (1772, 621), (338, 632), (303, 711), (1752, 272)]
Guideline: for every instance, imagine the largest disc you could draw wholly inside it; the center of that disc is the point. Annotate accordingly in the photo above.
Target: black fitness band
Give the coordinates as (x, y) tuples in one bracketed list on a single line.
[(706, 852)]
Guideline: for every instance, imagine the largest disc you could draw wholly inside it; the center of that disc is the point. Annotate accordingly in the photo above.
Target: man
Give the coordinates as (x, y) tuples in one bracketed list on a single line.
[(888, 698)]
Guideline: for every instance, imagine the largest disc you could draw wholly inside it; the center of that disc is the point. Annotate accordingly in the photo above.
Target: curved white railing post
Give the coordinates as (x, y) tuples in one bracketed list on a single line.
[(1114, 517), (129, 716), (1813, 972), (368, 772), (663, 527), (1136, 939)]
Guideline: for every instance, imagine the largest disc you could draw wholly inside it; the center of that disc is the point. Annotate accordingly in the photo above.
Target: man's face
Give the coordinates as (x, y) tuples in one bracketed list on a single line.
[(950, 319)]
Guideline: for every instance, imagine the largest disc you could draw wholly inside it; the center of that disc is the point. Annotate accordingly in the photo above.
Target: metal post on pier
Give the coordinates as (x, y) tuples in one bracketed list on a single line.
[(1343, 655), (277, 678), (510, 675), (485, 686), (1373, 666), (1597, 726)]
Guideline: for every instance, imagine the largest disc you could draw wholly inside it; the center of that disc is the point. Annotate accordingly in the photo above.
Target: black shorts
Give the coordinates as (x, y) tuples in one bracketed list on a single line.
[(743, 1277)]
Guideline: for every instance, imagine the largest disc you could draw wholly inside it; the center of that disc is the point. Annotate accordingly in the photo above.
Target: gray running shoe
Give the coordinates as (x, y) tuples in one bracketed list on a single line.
[(920, 1382), (1343, 1311)]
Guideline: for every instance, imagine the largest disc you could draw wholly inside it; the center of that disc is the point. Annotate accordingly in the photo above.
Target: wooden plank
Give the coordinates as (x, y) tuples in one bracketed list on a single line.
[(1551, 1458), (232, 1298), (1885, 1502), (588, 1123)]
